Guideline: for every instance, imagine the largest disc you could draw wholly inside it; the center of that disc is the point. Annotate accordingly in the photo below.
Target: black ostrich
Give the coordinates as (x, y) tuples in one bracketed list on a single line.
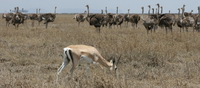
[(95, 19)]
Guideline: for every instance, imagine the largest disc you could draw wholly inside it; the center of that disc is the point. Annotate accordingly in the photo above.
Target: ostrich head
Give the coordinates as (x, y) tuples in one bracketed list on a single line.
[(149, 6), (87, 6), (183, 6), (158, 5), (191, 11)]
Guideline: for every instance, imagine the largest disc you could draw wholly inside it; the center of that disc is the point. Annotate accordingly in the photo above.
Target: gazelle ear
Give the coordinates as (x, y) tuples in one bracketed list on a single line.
[(113, 61)]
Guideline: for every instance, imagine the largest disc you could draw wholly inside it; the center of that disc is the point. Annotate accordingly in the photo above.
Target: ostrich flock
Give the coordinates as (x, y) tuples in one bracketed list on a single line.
[(153, 20), (17, 17)]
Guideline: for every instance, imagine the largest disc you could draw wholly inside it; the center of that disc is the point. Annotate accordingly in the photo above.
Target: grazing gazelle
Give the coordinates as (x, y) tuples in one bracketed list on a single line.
[(89, 54)]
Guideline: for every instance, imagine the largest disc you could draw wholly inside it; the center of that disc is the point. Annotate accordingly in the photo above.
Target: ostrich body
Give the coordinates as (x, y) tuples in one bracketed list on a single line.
[(80, 17)]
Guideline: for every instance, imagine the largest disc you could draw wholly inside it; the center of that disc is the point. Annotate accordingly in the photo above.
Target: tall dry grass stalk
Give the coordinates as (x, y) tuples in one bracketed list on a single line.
[(30, 56)]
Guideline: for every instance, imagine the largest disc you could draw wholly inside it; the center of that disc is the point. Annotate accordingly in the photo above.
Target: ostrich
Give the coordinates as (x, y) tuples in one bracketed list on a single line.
[(126, 18), (148, 22), (134, 19), (24, 17), (105, 17), (179, 20), (18, 18), (166, 20), (48, 17), (33, 17), (39, 17), (186, 14), (188, 21), (118, 19), (108, 19), (80, 17), (8, 17), (95, 19), (197, 21)]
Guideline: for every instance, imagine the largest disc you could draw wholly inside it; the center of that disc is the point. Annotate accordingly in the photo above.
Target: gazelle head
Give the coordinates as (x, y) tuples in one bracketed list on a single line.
[(114, 67), (115, 63)]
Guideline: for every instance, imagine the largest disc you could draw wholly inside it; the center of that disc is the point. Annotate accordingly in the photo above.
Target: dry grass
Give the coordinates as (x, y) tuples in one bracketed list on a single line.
[(30, 56)]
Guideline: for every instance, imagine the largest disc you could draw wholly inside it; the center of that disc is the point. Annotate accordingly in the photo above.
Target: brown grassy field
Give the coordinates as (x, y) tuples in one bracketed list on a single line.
[(30, 56)]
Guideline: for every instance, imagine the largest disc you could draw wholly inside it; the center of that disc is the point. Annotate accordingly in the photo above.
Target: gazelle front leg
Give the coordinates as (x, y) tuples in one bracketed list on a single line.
[(87, 70)]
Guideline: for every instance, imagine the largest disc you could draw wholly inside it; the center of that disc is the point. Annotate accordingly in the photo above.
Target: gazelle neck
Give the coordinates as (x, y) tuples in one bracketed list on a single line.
[(105, 62)]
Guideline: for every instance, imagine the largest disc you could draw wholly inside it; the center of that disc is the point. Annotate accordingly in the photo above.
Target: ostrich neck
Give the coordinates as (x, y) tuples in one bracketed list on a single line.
[(39, 12), (199, 11), (106, 10), (117, 11), (142, 14), (128, 13), (183, 13), (149, 11), (36, 11), (55, 11), (87, 11), (153, 11)]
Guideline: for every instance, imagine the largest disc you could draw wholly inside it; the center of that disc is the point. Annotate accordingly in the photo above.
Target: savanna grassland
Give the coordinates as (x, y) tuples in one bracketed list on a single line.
[(30, 56)]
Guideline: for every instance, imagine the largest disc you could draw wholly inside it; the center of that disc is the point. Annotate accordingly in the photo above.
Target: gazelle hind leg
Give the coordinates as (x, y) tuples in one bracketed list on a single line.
[(65, 63), (60, 69)]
